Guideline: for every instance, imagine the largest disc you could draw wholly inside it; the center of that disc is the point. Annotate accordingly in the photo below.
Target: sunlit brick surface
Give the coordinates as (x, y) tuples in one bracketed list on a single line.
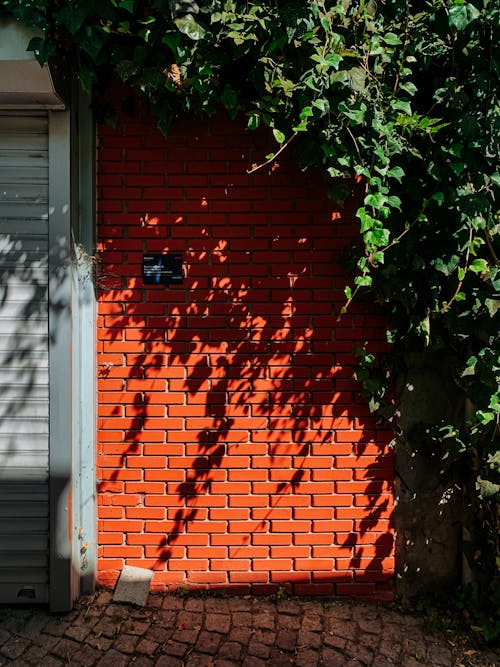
[(234, 449)]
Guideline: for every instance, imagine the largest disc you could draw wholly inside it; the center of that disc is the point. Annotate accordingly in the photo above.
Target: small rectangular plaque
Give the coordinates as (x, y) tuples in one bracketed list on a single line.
[(162, 269)]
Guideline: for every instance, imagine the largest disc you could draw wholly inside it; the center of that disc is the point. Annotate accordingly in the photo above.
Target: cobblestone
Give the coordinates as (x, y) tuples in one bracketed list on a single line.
[(77, 632), (307, 658), (168, 661), (207, 631), (126, 643), (218, 623), (34, 655), (14, 647), (208, 642), (259, 649)]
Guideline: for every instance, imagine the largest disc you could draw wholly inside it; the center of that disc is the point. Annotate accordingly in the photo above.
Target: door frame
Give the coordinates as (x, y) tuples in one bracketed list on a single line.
[(72, 385)]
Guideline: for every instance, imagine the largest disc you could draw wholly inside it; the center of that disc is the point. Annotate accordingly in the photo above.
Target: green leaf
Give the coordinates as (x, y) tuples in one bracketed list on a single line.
[(402, 105), (42, 49), (460, 15), (72, 17), (457, 167), (363, 281), (128, 5), (409, 87), (124, 28), (301, 127), (322, 104), (357, 78), (253, 121), (495, 278), (394, 202), (376, 238), (356, 112), (305, 113), (367, 222), (445, 267), (279, 136), (493, 306), (92, 40), (457, 17), (397, 173), (333, 59), (486, 488), (188, 26), (479, 266), (376, 200), (391, 38)]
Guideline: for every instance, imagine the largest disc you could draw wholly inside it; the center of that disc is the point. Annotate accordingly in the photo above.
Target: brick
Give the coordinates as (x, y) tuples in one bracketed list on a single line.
[(146, 461), (290, 552), (265, 513), (230, 564), (121, 552), (291, 526), (123, 526), (310, 564), (194, 564), (121, 475), (354, 589), (144, 513), (314, 589), (272, 564), (236, 577), (313, 538), (229, 514)]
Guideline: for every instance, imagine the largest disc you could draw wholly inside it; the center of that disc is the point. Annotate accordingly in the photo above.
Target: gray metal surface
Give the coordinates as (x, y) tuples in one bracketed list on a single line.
[(62, 575), (85, 522), (24, 360)]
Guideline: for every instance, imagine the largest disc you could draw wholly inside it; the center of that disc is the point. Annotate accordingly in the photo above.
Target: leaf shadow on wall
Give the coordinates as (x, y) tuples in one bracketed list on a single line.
[(269, 470)]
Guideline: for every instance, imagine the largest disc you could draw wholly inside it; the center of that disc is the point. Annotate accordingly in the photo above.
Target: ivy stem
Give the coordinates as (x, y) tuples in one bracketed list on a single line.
[(344, 308), (274, 156), (405, 231), (490, 246), (354, 141), (403, 53)]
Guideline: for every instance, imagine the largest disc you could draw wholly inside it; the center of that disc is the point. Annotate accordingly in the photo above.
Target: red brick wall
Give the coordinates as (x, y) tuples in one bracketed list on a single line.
[(234, 449)]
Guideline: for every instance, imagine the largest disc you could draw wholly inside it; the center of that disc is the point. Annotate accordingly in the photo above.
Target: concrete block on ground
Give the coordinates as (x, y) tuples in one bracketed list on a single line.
[(133, 585)]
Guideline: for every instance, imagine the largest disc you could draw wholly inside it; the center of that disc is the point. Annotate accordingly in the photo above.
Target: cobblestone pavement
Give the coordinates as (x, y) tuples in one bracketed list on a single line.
[(209, 631)]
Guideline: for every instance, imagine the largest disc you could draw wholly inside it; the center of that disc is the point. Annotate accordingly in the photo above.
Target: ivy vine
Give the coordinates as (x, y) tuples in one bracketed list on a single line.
[(401, 93)]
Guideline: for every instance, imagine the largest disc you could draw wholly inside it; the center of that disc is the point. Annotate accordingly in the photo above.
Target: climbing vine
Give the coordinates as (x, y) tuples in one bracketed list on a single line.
[(402, 94)]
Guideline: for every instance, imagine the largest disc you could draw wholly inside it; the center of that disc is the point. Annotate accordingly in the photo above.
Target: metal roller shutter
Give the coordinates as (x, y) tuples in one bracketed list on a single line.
[(24, 382)]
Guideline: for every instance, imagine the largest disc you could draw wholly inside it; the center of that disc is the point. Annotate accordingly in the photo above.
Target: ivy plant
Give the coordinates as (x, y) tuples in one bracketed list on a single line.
[(402, 94)]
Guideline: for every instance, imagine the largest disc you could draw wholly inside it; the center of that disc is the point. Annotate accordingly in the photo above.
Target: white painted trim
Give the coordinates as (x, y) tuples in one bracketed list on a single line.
[(62, 579)]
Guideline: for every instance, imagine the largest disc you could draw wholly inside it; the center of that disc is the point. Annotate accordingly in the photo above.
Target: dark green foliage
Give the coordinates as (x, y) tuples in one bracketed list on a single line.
[(404, 94)]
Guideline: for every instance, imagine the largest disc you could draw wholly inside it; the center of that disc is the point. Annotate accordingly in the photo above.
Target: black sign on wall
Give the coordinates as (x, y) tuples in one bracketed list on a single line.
[(165, 269)]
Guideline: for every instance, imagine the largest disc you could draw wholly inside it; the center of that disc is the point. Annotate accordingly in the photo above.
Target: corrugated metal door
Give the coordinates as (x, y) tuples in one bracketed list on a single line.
[(24, 382)]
